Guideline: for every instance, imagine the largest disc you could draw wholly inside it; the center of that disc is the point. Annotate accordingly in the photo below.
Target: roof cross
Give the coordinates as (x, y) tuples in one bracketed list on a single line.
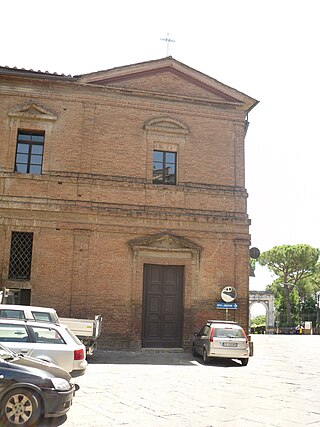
[(168, 40)]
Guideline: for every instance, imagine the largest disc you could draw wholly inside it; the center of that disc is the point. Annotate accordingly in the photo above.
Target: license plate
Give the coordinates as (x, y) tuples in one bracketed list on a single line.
[(229, 344)]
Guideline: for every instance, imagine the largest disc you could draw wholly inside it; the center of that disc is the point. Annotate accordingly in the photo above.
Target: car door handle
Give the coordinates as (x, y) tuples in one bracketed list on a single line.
[(24, 350)]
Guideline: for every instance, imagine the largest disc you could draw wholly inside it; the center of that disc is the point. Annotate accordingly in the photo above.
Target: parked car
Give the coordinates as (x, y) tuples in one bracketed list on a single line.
[(87, 330), (46, 341), (221, 339), (31, 389), (28, 312)]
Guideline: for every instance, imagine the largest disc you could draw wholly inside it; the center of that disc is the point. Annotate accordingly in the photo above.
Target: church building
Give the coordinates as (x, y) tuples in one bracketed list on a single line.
[(122, 193)]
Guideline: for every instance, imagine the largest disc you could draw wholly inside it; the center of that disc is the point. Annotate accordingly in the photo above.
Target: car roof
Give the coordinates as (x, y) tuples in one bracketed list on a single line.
[(223, 321), (32, 322), (25, 307)]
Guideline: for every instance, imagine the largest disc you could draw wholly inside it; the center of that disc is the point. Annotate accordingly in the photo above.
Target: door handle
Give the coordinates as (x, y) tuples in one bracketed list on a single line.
[(24, 350)]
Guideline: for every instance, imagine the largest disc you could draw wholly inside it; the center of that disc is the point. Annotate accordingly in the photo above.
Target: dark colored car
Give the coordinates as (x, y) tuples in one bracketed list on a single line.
[(31, 389)]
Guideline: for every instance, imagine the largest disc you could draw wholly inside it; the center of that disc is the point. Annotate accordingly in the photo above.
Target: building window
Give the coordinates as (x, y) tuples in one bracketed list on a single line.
[(15, 296), (29, 152), (20, 256), (164, 167)]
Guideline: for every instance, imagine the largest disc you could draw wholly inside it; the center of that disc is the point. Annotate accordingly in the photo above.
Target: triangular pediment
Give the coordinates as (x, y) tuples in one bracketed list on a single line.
[(170, 78), (32, 111), (165, 241)]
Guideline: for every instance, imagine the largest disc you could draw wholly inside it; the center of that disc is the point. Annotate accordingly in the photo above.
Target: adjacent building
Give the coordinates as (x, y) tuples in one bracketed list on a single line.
[(122, 193)]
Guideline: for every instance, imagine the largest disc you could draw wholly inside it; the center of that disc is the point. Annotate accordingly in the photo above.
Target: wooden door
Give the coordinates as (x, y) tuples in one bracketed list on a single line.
[(162, 306)]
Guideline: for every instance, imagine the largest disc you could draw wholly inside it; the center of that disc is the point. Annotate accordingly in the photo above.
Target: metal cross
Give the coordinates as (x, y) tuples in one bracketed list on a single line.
[(168, 40)]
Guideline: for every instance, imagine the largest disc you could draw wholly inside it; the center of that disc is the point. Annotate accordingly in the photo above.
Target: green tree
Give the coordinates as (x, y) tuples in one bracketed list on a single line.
[(293, 265), (308, 308), (259, 320), (252, 266)]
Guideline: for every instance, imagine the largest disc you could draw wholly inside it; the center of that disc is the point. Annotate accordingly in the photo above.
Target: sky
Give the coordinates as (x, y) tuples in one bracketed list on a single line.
[(267, 49)]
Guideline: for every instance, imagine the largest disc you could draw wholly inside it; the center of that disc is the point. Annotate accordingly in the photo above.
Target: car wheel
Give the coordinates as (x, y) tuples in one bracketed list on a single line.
[(206, 359), (244, 362), (20, 407), (194, 353)]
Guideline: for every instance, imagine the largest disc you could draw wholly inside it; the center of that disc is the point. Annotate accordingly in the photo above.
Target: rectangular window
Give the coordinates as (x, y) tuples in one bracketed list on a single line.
[(228, 333), (164, 167), (47, 335), (13, 333), (12, 314), (42, 316), (29, 152), (20, 256)]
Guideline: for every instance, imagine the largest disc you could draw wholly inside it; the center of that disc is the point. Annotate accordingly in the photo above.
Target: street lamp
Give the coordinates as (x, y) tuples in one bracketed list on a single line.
[(286, 285)]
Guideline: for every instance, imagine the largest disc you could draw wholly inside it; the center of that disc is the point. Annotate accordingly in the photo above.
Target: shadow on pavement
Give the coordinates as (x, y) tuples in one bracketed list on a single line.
[(154, 357), (145, 357), (219, 362), (53, 422)]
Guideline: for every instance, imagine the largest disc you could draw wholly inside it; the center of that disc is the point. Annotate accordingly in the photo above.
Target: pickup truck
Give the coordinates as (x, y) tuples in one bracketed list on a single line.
[(87, 330)]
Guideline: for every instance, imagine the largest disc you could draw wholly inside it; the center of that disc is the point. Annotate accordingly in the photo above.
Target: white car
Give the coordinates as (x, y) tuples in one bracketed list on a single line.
[(27, 312), (87, 330), (51, 342), (223, 339)]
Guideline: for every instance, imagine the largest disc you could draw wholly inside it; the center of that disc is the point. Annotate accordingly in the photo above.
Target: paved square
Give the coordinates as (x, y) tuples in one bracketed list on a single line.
[(279, 387)]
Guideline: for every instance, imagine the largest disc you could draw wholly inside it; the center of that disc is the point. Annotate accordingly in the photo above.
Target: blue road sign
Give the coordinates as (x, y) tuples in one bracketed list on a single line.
[(227, 305)]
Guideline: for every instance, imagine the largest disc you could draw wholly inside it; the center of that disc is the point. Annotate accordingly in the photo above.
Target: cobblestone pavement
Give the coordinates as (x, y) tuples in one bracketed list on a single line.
[(279, 387)]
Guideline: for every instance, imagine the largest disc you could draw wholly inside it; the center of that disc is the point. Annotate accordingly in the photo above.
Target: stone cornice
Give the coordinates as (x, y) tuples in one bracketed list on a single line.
[(260, 293), (66, 92), (85, 91), (40, 204), (128, 180)]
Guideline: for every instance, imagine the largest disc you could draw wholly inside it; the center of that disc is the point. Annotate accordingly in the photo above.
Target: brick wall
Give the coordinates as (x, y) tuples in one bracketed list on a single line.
[(96, 195)]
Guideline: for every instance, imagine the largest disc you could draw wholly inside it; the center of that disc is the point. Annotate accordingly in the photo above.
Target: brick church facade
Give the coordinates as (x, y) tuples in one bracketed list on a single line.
[(122, 193)]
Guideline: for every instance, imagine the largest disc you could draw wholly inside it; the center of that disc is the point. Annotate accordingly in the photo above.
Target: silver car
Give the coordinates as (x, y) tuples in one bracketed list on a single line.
[(50, 342), (221, 339)]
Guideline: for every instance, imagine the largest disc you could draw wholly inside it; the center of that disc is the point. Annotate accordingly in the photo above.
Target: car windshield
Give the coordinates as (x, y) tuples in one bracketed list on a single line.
[(228, 333), (6, 354)]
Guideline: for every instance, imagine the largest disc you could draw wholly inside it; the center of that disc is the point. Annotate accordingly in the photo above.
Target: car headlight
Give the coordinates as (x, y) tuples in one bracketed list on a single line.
[(60, 384)]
